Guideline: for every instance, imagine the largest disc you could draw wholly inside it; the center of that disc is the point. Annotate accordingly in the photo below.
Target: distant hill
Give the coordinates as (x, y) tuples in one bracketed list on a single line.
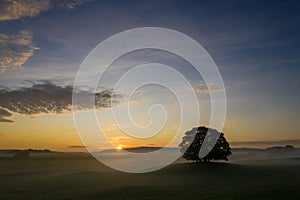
[(30, 151), (281, 149), (287, 148), (247, 150), (142, 149), (145, 149)]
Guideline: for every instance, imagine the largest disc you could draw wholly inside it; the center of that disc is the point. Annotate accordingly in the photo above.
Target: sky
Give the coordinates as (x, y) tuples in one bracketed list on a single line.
[(255, 44)]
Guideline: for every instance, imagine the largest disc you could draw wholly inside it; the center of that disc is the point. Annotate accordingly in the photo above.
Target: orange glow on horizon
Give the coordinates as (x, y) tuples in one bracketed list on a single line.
[(119, 147)]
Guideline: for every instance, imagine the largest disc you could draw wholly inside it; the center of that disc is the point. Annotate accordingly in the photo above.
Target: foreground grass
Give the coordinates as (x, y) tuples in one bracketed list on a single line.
[(85, 178)]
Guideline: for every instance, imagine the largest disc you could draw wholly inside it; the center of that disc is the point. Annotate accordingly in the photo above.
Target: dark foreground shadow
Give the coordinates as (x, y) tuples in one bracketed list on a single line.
[(84, 178)]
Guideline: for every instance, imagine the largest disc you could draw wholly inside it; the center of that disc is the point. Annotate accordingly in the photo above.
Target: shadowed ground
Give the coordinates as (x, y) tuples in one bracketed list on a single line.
[(78, 176)]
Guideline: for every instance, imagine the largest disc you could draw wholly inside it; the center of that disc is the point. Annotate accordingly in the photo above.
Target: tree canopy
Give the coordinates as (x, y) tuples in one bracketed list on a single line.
[(193, 141)]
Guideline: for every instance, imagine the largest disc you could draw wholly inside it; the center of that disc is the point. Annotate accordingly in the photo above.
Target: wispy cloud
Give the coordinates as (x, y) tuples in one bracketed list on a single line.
[(15, 50), (71, 4), (17, 9), (202, 87), (44, 98), (3, 114), (76, 147)]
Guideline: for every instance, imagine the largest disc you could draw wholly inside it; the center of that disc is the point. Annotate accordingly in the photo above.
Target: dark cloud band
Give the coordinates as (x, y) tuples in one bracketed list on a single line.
[(43, 98)]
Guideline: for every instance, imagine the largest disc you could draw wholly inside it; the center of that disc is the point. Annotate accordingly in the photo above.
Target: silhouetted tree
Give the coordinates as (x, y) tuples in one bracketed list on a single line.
[(193, 141)]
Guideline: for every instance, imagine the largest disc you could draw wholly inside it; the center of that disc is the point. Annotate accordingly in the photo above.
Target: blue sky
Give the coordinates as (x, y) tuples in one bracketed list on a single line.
[(255, 44)]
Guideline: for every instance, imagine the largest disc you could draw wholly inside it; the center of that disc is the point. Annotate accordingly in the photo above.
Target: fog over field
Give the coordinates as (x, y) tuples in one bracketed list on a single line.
[(249, 174)]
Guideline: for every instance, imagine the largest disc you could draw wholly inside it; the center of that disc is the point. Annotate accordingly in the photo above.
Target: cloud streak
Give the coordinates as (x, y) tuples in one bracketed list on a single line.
[(76, 147), (3, 114), (15, 50), (46, 98), (17, 9), (203, 88), (71, 4)]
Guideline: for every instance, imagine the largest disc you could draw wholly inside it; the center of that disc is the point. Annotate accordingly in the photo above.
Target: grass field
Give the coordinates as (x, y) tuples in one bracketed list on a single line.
[(76, 176)]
